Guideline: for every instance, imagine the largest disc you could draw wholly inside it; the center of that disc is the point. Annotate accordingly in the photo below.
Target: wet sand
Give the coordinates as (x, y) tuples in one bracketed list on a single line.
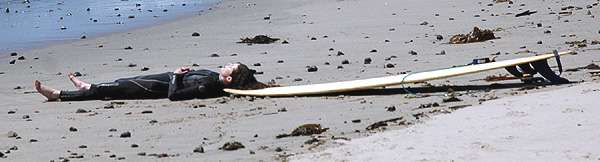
[(316, 32)]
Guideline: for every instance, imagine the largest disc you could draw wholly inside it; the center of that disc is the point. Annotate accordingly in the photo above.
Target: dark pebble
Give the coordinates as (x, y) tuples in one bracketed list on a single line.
[(131, 16), (214, 55), (13, 148), (83, 37), (285, 42), (340, 53), (386, 41), (13, 54), (112, 130), (199, 149), (125, 135), (232, 146), (141, 153), (195, 34), (72, 129), (340, 67), (281, 109), (145, 69), (82, 146), (77, 74), (11, 111), (12, 134), (326, 63), (356, 121), (18, 87), (389, 65), (373, 50), (21, 58), (33, 140), (439, 37), (132, 65), (312, 68), (112, 156), (368, 60), (391, 108), (345, 61), (331, 49), (153, 121), (1, 154), (279, 61), (452, 99), (109, 107), (539, 25), (412, 52), (257, 64), (313, 38), (547, 32), (128, 48), (135, 145), (25, 116), (298, 79), (147, 112), (12, 62)]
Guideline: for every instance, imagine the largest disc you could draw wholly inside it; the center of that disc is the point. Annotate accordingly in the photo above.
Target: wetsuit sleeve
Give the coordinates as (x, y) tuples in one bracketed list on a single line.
[(201, 89)]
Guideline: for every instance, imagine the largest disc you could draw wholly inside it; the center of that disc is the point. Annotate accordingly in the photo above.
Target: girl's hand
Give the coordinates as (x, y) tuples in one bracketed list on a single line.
[(183, 70)]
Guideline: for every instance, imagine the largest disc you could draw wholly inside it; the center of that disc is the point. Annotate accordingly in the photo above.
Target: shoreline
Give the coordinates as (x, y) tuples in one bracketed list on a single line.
[(355, 28)]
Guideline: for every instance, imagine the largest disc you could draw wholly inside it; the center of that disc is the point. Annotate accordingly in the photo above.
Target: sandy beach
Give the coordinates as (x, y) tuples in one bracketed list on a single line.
[(556, 121)]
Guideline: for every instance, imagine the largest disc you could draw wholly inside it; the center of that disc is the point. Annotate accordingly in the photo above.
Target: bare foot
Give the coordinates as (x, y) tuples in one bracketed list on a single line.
[(50, 93), (80, 85)]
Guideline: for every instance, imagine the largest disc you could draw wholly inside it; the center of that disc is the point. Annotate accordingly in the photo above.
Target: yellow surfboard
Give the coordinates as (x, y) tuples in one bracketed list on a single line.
[(344, 86)]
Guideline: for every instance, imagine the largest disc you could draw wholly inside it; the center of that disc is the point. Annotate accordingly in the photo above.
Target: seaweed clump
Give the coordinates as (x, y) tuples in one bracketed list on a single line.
[(476, 35), (259, 39), (232, 146), (305, 130)]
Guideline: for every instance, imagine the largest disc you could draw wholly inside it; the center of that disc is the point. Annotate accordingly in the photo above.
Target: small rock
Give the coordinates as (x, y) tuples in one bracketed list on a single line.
[(33, 140), (72, 129), (340, 67), (153, 121), (326, 63), (82, 146), (195, 34), (214, 55), (298, 79), (132, 65), (125, 135), (412, 52), (424, 23), (439, 37), (18, 87), (145, 69), (539, 42), (232, 146), (257, 64), (12, 62), (11, 112), (77, 74), (13, 148), (199, 149), (340, 53), (547, 32), (452, 99), (373, 51), (391, 108), (141, 153), (128, 48), (389, 65), (109, 107), (112, 130), (279, 61), (331, 49), (368, 60), (147, 112), (63, 28), (13, 54), (356, 121), (285, 42), (134, 145), (83, 37), (281, 109), (81, 111), (21, 58), (25, 116), (312, 68), (11, 134), (345, 61)]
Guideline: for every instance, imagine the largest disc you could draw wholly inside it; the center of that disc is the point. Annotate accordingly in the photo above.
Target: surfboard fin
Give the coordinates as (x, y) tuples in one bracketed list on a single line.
[(540, 67)]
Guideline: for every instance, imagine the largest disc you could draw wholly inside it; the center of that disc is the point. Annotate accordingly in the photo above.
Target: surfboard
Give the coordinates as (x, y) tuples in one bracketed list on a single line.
[(352, 85)]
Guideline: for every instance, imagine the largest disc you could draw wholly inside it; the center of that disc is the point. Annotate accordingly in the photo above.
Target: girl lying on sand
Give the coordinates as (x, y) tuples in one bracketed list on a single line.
[(182, 84)]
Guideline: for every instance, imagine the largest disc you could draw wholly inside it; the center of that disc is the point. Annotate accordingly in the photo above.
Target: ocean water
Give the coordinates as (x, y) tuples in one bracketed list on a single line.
[(28, 24)]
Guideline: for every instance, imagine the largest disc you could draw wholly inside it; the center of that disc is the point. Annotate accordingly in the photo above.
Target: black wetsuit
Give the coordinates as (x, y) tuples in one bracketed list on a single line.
[(195, 84)]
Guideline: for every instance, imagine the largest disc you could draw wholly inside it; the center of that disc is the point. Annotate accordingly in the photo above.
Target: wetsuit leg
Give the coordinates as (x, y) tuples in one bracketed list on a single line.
[(142, 87)]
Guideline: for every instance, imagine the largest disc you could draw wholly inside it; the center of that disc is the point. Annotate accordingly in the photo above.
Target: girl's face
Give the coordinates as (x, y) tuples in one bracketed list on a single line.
[(227, 70)]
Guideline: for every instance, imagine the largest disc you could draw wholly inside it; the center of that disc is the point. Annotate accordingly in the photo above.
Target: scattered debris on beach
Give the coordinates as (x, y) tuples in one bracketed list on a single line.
[(385, 123), (259, 39), (591, 66), (476, 35), (305, 130), (582, 43)]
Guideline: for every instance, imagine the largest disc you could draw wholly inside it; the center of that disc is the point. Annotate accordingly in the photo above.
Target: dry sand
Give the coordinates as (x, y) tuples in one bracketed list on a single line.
[(354, 27)]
